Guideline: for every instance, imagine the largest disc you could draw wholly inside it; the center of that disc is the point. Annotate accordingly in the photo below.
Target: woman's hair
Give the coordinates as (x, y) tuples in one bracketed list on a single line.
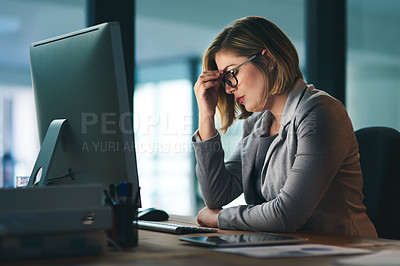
[(246, 37)]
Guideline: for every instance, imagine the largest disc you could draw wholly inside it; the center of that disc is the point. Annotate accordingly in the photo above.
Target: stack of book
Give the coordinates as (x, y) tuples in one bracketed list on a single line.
[(53, 221)]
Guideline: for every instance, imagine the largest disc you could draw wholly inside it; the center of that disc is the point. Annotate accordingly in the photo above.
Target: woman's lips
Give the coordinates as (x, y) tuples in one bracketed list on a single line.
[(240, 99)]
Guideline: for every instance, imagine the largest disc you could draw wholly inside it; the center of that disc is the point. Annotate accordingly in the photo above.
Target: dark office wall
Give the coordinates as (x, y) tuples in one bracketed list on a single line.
[(123, 11), (326, 46)]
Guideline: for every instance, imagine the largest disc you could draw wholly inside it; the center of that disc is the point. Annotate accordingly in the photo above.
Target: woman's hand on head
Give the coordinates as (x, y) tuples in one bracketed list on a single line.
[(208, 217), (206, 91)]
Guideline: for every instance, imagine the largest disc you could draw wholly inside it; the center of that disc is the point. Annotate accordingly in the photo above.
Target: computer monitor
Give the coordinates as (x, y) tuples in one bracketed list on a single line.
[(84, 119)]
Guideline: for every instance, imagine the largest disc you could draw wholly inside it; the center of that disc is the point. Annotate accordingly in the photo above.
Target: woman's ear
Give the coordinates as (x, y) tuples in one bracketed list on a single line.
[(264, 52), (269, 58)]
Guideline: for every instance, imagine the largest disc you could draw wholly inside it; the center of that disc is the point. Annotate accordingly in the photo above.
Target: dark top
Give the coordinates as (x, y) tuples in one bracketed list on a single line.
[(256, 175)]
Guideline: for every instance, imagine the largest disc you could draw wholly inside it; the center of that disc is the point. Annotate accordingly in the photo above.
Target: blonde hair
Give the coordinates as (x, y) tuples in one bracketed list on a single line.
[(246, 37)]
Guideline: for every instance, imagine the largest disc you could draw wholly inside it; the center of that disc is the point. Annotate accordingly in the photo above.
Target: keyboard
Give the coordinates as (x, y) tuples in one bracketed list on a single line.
[(173, 228)]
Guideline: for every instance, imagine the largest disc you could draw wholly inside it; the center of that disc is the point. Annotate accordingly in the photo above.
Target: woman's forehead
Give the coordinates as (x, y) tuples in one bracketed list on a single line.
[(225, 59)]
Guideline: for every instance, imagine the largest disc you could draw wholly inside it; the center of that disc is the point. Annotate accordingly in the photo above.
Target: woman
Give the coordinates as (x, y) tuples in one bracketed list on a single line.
[(297, 162)]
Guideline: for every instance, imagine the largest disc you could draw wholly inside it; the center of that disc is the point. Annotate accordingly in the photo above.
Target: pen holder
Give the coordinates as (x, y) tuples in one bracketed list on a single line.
[(126, 232)]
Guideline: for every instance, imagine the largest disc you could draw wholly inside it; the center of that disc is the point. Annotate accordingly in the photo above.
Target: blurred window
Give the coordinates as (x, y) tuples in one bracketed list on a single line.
[(373, 63), (22, 23)]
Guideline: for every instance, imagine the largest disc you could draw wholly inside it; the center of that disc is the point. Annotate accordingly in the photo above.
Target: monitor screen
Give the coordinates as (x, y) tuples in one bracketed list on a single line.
[(79, 79)]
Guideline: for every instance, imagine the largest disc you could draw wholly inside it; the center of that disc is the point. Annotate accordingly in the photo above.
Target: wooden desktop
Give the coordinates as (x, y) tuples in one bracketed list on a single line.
[(157, 248)]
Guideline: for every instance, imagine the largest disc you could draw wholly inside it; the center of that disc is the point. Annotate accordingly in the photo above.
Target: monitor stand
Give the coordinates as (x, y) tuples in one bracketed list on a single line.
[(46, 154)]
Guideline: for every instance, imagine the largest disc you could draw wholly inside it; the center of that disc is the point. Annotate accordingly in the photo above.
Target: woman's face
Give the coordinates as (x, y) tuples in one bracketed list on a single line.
[(251, 84)]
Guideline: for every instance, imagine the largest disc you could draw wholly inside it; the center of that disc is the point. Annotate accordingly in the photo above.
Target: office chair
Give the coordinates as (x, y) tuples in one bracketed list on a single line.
[(379, 149)]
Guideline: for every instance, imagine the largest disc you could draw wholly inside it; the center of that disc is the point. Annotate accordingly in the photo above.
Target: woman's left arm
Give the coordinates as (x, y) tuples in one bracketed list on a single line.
[(324, 134)]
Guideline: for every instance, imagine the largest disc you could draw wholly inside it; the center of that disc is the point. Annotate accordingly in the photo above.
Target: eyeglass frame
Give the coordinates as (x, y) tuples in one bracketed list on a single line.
[(232, 71)]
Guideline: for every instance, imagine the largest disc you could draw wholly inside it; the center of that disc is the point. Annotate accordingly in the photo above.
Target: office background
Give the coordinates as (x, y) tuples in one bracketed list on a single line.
[(170, 37)]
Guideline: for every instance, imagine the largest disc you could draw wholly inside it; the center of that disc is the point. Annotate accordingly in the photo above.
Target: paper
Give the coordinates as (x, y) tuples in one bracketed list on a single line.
[(382, 258), (292, 251)]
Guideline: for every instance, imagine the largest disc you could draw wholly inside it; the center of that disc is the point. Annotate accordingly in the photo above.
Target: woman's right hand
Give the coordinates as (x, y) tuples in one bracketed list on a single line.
[(206, 91)]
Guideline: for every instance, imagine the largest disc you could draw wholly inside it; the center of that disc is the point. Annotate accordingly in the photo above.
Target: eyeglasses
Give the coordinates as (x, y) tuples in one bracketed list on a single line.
[(230, 77)]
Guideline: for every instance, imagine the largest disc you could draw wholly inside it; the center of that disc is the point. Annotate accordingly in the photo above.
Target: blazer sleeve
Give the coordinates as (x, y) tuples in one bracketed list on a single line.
[(324, 133), (220, 181)]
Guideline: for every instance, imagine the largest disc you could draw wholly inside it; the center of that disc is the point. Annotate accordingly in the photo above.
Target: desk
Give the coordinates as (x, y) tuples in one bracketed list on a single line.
[(166, 249)]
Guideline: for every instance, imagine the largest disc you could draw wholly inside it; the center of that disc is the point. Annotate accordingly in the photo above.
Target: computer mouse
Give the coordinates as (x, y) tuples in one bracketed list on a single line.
[(153, 214)]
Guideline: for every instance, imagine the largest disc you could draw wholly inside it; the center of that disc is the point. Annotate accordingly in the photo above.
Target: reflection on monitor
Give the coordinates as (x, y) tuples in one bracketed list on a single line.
[(80, 89)]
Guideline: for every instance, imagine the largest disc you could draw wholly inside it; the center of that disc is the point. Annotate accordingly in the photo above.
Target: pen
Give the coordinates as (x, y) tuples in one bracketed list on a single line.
[(112, 191), (109, 200), (122, 192)]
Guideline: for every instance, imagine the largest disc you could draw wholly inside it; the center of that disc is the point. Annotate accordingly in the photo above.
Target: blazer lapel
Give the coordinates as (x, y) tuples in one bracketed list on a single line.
[(250, 142), (249, 150), (293, 100), (295, 95)]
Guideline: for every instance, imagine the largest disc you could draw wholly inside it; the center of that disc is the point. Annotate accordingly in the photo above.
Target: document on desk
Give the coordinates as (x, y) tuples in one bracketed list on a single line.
[(385, 257), (285, 251)]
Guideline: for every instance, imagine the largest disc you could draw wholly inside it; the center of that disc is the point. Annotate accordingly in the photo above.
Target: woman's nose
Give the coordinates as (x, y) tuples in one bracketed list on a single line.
[(229, 89)]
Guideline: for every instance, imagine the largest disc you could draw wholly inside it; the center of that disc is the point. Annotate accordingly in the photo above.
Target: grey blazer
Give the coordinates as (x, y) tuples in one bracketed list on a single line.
[(311, 175)]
